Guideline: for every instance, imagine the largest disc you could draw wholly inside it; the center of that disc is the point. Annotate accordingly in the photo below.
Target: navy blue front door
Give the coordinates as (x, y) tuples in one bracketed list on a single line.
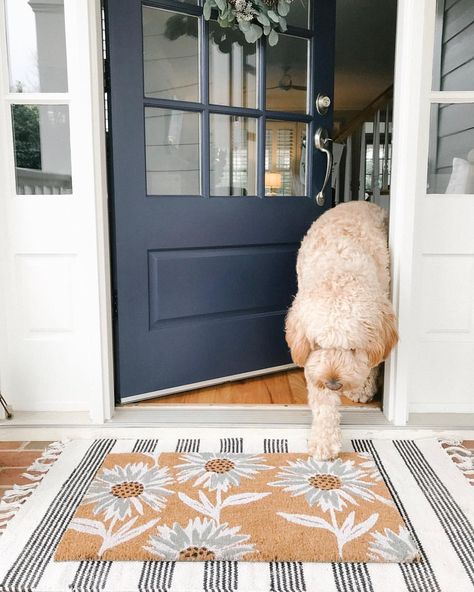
[(213, 178)]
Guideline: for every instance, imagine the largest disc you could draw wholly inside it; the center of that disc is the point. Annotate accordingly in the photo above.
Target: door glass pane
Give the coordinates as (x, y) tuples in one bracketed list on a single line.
[(170, 55), (232, 68), (36, 46), (451, 149), (172, 152), (42, 149), (287, 75), (299, 14), (453, 63), (285, 158), (233, 155)]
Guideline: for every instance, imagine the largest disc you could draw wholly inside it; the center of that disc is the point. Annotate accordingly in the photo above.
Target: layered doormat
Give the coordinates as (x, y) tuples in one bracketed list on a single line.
[(243, 514)]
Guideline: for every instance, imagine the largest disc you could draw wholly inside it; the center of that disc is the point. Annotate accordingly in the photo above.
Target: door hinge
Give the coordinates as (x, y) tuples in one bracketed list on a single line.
[(115, 304)]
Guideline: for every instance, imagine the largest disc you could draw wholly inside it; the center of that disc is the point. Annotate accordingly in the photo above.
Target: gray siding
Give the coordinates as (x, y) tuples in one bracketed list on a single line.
[(452, 126)]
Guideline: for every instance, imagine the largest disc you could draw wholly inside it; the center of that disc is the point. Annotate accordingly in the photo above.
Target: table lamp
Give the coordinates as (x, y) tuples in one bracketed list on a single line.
[(273, 181)]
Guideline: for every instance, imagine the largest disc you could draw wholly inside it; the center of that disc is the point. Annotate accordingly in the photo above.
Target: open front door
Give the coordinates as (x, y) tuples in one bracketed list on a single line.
[(214, 174)]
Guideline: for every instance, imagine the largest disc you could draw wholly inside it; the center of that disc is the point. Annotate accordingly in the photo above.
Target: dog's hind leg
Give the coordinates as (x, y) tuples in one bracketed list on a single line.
[(368, 390), (325, 438)]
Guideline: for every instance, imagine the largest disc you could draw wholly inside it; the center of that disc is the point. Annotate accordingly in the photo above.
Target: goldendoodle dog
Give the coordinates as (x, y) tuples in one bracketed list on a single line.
[(341, 324)]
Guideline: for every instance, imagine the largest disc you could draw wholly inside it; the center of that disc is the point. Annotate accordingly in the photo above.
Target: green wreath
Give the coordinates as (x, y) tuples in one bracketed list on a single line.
[(253, 17)]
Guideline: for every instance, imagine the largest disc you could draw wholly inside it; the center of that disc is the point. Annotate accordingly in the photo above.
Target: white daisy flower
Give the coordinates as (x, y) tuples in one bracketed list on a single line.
[(119, 490), (199, 541), (328, 484), (218, 471), (370, 465), (393, 547)]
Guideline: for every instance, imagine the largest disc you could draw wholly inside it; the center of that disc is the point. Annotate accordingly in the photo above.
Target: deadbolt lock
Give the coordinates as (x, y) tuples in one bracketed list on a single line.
[(323, 102)]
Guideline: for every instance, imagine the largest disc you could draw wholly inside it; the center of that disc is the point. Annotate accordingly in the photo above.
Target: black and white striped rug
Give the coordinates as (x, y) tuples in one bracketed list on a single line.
[(434, 498)]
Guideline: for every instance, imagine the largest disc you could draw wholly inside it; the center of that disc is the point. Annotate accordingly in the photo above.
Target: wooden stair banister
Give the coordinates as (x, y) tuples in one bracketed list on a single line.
[(366, 115)]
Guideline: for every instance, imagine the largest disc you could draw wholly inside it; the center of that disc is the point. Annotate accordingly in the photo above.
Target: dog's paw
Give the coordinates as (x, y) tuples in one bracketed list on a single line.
[(323, 449), (368, 390)]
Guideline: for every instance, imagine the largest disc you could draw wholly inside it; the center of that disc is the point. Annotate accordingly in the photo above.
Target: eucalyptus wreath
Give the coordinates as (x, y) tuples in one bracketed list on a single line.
[(253, 17)]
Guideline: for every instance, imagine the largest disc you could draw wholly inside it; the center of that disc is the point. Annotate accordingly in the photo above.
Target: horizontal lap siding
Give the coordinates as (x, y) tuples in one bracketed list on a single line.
[(456, 145), (456, 18), (458, 60), (455, 128)]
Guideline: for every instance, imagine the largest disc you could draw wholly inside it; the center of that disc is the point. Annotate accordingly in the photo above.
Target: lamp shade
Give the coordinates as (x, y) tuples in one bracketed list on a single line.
[(273, 180)]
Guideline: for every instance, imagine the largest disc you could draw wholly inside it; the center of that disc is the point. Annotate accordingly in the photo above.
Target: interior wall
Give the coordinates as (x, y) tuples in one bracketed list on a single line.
[(365, 54)]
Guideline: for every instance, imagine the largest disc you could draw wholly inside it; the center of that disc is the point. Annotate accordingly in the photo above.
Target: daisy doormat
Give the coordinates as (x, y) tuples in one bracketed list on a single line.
[(252, 513), (154, 505)]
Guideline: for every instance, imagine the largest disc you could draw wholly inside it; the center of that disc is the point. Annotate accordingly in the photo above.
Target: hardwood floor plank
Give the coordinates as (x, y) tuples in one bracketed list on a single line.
[(297, 384), (282, 388), (278, 388)]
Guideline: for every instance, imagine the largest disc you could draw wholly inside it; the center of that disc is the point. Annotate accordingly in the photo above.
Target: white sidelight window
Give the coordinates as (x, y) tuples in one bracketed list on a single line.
[(436, 285), (52, 203)]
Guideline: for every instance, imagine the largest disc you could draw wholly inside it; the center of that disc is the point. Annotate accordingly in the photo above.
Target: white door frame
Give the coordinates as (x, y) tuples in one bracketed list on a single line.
[(412, 57), (413, 63), (106, 406)]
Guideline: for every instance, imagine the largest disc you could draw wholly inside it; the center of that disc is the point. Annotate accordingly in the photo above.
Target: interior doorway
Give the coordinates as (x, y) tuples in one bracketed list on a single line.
[(363, 100), (269, 156)]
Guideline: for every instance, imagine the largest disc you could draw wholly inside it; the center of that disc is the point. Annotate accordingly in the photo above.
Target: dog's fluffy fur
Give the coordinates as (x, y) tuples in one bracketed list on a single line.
[(341, 324)]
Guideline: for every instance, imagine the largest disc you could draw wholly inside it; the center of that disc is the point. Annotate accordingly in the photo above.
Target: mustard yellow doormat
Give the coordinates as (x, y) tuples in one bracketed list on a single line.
[(201, 506)]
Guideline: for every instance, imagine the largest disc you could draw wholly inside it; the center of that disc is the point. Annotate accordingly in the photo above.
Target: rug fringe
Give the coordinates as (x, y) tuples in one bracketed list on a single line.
[(463, 458), (14, 498)]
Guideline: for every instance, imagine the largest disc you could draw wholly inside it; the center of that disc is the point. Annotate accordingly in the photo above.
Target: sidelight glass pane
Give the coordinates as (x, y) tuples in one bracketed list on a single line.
[(287, 75), (299, 14), (172, 152), (36, 46), (285, 158), (42, 149), (170, 55), (232, 68), (451, 149), (233, 155), (453, 60)]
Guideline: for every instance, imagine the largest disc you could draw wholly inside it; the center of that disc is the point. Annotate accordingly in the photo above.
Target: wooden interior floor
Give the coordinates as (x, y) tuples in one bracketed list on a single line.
[(282, 388)]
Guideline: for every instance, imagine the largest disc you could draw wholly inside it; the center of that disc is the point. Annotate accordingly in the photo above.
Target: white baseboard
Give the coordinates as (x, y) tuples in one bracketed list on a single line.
[(441, 408)]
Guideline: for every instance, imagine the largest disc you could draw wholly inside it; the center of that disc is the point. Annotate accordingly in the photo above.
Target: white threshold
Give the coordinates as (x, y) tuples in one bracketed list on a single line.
[(68, 425), (233, 415), (230, 417), (196, 416)]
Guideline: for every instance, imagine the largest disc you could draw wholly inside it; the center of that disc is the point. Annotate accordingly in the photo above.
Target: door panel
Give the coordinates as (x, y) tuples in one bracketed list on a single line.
[(174, 274), (210, 199)]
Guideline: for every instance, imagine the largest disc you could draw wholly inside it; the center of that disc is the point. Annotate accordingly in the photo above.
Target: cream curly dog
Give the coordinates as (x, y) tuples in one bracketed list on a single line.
[(341, 324)]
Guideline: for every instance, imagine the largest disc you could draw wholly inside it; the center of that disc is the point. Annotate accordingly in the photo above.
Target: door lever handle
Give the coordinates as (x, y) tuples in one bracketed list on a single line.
[(322, 142)]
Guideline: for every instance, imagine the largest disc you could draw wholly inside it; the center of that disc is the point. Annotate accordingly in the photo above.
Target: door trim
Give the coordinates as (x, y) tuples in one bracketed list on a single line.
[(410, 16), (204, 383), (103, 409), (413, 63)]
